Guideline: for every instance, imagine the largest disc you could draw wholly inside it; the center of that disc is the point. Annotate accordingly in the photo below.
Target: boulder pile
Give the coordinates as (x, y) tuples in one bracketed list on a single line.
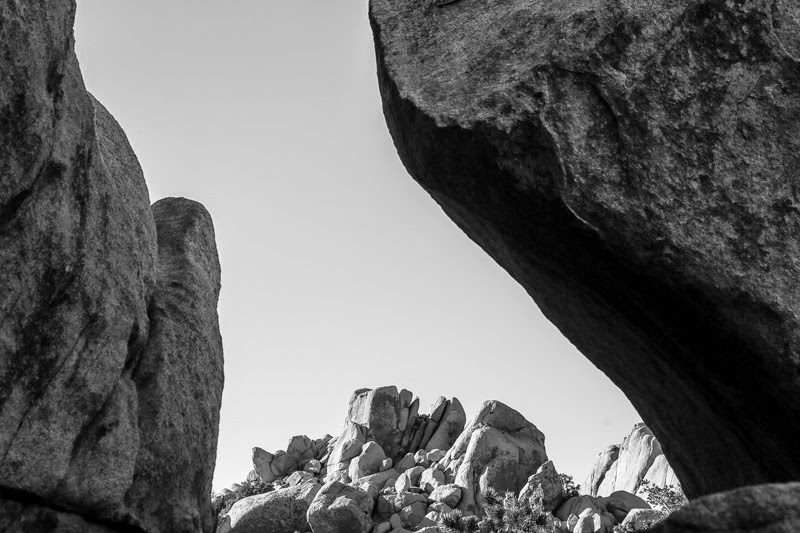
[(395, 470)]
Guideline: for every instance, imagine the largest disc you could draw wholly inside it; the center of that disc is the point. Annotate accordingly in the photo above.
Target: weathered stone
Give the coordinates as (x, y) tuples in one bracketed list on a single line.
[(430, 479), (544, 489), (601, 466), (262, 460), (636, 455), (412, 515), (374, 483), (378, 411), (338, 508), (179, 376), (313, 466), (632, 165), (448, 495), (449, 428), (347, 446), (435, 455), (623, 502), (660, 475), (110, 355), (577, 505), (279, 511), (761, 508), (283, 464), (77, 273), (395, 521), (301, 448), (403, 482), (405, 463), (498, 449), (298, 477), (642, 519), (411, 425), (368, 462), (16, 517)]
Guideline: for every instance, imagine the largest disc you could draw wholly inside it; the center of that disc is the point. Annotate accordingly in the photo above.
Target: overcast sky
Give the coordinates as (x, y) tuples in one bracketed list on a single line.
[(338, 271)]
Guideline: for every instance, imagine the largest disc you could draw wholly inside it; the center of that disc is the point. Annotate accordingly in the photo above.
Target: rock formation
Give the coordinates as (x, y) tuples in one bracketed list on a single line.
[(633, 165), (499, 448), (628, 466), (498, 453), (757, 509), (393, 421), (110, 354)]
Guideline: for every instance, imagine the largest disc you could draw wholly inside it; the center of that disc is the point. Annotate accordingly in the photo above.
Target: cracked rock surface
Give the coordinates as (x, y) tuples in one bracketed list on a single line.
[(634, 165)]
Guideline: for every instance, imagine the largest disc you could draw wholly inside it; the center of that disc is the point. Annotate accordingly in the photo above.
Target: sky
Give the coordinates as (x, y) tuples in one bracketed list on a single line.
[(338, 271)]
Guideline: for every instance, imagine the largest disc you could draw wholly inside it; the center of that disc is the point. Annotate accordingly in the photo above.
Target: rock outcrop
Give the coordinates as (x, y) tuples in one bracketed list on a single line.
[(498, 455), (768, 508), (280, 511), (633, 166), (393, 421), (625, 467), (499, 448), (110, 354), (337, 508)]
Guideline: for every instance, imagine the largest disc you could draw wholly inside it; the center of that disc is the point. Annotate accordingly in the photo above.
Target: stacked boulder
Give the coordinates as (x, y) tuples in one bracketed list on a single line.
[(392, 469), (631, 466), (393, 421), (588, 514)]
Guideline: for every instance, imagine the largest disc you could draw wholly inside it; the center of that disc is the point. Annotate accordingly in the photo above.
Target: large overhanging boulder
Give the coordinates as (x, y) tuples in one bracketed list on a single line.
[(634, 166)]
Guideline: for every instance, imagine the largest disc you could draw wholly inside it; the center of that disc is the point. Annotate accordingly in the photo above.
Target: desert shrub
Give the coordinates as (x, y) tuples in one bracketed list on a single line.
[(249, 488), (503, 514), (668, 499), (571, 490)]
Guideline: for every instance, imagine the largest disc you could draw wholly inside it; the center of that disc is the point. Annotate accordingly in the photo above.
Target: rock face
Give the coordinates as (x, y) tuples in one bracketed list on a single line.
[(499, 448), (636, 456), (179, 377), (110, 355), (633, 166), (338, 508), (759, 509), (392, 420), (601, 466), (630, 466), (280, 511), (544, 489)]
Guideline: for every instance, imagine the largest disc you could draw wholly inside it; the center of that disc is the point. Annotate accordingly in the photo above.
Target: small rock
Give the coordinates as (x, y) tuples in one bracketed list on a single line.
[(412, 515), (283, 464), (403, 482), (435, 455), (447, 494), (439, 507), (383, 527), (405, 463), (338, 507), (314, 466), (395, 521), (405, 499), (430, 479)]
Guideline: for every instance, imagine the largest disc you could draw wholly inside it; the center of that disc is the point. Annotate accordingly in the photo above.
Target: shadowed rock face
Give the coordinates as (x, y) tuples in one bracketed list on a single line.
[(634, 166), (110, 355), (757, 509)]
